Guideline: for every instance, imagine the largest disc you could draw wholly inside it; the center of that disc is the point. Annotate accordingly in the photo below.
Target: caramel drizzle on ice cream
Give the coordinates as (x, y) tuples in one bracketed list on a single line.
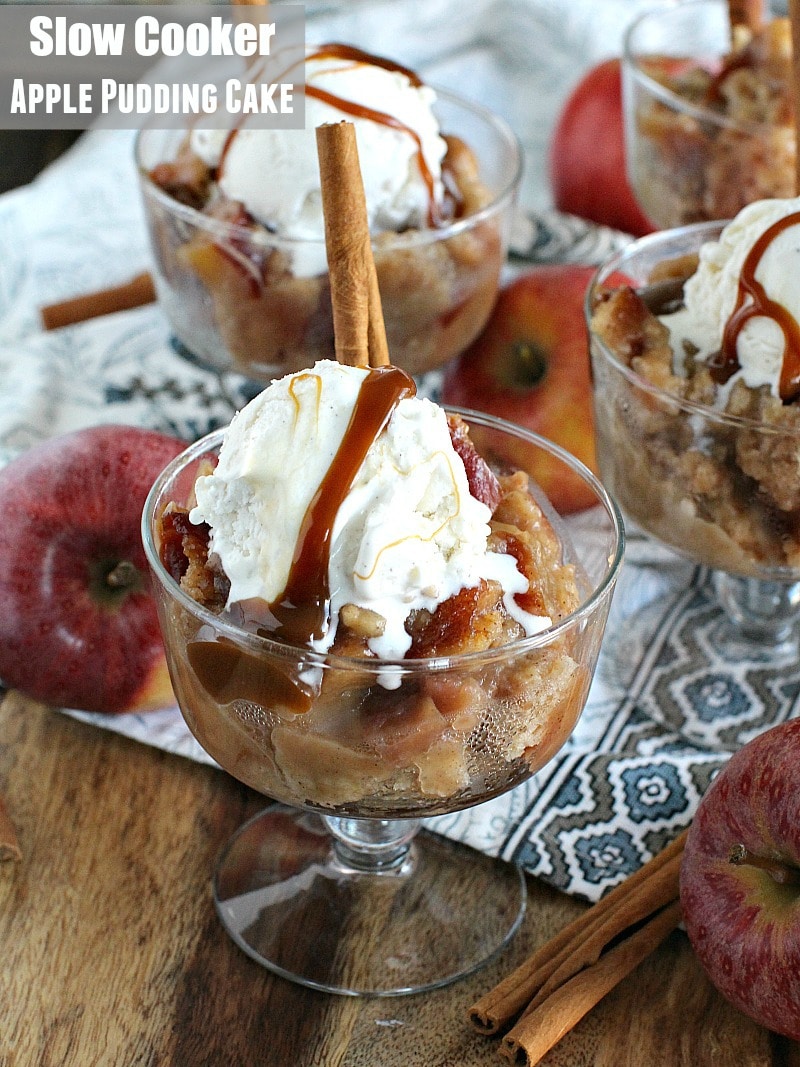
[(360, 111), (436, 215), (726, 364), (302, 614), (358, 55)]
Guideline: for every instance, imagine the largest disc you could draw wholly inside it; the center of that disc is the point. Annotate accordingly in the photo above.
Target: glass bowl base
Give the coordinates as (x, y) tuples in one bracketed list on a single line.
[(763, 613), (311, 911)]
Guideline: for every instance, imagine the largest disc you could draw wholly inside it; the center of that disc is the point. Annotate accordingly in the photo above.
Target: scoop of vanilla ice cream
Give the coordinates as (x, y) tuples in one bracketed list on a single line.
[(710, 294), (275, 173), (275, 455), (408, 535)]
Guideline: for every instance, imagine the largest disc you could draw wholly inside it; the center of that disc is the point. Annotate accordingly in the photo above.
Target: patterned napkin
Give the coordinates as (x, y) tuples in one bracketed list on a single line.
[(674, 693)]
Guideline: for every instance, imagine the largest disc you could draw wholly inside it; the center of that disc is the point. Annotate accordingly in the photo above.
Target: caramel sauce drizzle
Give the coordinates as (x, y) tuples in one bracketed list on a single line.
[(726, 363), (233, 133), (436, 217), (302, 613), (362, 112), (358, 55)]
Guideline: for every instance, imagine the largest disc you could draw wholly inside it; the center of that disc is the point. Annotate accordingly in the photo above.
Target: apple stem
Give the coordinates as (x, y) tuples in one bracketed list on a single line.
[(122, 575), (782, 873)]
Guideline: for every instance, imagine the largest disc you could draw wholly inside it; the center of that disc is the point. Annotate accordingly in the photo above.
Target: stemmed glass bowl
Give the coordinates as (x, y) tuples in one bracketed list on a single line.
[(693, 155), (335, 885), (712, 484), (237, 300)]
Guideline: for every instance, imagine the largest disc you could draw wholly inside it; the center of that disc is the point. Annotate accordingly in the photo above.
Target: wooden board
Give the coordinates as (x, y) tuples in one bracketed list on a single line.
[(112, 954)]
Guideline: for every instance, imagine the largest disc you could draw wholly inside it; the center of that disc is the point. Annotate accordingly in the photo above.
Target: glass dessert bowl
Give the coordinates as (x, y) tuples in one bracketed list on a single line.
[(701, 450), (363, 747), (243, 292), (709, 121)]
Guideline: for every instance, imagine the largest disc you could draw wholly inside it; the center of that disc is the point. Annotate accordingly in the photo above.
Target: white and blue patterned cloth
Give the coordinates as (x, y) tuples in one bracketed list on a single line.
[(673, 695)]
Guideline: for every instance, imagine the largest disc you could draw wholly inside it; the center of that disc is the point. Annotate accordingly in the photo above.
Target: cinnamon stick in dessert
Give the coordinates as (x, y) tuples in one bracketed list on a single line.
[(357, 317), (9, 845), (537, 1031), (747, 13), (794, 18), (133, 294), (582, 941)]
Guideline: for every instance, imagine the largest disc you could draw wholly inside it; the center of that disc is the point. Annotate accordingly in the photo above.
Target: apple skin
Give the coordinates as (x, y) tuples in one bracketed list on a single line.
[(72, 512), (587, 154), (743, 925), (530, 365)]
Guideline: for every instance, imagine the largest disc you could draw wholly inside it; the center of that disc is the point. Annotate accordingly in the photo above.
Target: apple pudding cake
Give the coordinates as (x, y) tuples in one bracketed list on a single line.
[(722, 133), (350, 731), (696, 363), (237, 229)]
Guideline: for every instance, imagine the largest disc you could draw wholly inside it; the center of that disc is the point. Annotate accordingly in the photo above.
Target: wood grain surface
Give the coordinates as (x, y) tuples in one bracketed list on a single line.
[(112, 954)]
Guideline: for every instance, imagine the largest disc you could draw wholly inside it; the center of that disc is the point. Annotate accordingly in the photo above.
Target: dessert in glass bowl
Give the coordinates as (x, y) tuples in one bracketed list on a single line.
[(369, 614), (696, 360), (709, 116), (237, 230)]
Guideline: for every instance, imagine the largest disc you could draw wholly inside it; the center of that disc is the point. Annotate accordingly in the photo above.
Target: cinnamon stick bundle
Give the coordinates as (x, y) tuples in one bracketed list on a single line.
[(555, 987), (580, 943), (539, 1030), (360, 333)]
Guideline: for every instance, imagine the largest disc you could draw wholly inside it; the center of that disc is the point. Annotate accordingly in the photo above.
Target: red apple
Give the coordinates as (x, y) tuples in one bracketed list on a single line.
[(587, 154), (740, 880), (530, 365), (78, 625)]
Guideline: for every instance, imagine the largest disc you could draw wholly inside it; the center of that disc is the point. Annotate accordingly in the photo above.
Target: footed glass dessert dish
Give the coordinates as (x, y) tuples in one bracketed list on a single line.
[(708, 111), (242, 295), (336, 886), (701, 452)]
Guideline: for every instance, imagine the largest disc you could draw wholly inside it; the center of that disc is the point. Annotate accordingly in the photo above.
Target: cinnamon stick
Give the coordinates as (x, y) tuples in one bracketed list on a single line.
[(794, 18), (537, 1032), (9, 845), (357, 317), (746, 13), (640, 904), (574, 947), (135, 293)]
